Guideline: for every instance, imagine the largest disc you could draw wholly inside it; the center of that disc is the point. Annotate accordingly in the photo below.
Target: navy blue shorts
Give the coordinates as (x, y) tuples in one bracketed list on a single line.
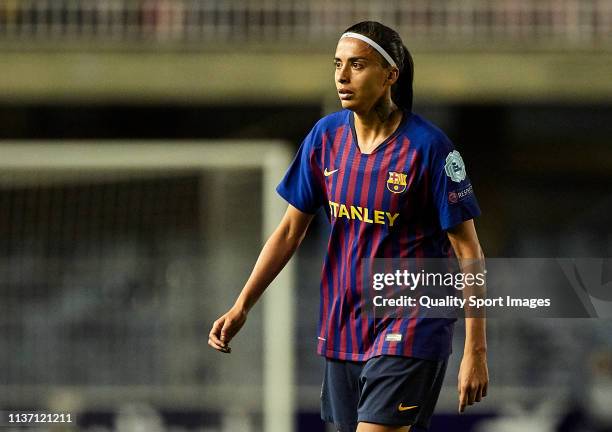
[(389, 390)]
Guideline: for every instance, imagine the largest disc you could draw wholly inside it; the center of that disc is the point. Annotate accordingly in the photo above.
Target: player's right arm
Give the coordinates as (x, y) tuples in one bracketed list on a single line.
[(277, 251)]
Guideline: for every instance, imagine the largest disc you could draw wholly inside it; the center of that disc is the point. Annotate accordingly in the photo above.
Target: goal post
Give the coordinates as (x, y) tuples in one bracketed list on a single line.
[(24, 162)]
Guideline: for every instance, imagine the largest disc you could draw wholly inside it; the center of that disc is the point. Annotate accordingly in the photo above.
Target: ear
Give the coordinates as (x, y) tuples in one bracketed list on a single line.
[(393, 75)]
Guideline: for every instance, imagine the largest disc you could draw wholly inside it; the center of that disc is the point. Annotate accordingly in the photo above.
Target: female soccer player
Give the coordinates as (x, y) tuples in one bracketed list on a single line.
[(391, 185)]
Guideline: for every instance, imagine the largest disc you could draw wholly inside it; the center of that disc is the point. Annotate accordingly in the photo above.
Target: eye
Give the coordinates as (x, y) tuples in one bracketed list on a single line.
[(337, 64), (357, 65)]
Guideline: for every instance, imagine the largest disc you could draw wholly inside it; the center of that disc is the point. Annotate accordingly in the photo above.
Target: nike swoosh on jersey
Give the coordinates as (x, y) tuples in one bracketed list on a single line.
[(403, 408), (328, 173)]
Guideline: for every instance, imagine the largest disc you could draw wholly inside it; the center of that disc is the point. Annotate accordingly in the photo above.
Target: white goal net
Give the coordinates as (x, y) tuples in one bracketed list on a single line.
[(115, 259)]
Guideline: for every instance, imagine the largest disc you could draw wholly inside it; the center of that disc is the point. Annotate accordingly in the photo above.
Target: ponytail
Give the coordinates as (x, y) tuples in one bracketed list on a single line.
[(401, 91)]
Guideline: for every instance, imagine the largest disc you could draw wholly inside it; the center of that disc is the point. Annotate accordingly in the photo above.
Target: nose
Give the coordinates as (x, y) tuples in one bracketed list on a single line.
[(342, 74)]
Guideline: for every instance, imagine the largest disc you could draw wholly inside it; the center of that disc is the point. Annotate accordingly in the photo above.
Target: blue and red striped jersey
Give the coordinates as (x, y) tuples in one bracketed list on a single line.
[(396, 202)]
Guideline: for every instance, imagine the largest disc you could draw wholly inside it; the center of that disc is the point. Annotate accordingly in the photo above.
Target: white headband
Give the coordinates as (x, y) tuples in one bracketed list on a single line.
[(372, 43)]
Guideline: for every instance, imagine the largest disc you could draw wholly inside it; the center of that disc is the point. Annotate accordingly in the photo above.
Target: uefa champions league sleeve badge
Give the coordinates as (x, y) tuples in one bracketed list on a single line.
[(454, 167)]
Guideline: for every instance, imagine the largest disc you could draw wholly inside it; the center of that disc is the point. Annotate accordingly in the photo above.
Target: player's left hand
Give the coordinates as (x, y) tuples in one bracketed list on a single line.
[(473, 380)]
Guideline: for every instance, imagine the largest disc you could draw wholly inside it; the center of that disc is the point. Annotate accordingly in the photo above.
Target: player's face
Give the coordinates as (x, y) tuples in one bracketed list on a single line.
[(361, 79)]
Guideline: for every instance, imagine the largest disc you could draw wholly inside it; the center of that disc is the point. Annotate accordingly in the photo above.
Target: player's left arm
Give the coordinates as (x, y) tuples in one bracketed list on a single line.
[(473, 377)]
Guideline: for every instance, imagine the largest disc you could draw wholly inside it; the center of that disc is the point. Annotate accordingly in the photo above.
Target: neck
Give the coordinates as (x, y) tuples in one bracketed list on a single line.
[(379, 117), (374, 126)]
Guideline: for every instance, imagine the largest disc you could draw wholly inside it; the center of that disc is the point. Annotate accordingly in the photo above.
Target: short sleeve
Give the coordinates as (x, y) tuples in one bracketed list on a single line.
[(453, 194), (302, 186)]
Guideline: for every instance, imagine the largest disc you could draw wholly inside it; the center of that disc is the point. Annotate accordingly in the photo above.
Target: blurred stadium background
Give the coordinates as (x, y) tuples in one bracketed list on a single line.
[(139, 144)]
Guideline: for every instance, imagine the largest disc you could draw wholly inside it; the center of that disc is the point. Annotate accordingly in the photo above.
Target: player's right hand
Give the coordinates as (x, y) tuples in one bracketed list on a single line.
[(225, 328)]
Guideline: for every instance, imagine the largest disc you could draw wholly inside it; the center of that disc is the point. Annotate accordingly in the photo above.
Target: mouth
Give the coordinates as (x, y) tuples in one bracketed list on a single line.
[(345, 94)]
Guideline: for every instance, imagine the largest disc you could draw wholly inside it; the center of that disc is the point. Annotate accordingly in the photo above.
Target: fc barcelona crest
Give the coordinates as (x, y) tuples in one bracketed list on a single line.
[(396, 182)]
